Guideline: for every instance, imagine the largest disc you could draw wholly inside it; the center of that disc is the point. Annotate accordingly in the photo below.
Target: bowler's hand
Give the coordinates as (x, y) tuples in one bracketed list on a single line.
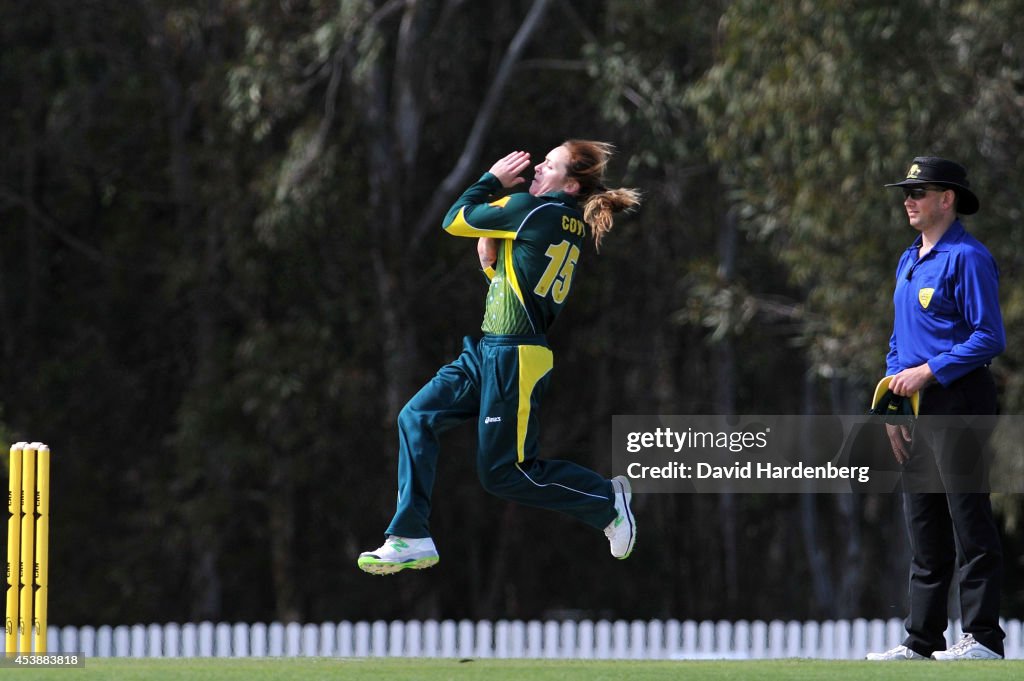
[(487, 251), (899, 438), (909, 381), (507, 170)]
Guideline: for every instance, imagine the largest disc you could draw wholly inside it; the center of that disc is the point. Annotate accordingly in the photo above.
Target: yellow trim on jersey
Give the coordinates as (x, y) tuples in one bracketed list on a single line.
[(500, 203), (489, 272), (534, 362), (510, 272), (460, 227)]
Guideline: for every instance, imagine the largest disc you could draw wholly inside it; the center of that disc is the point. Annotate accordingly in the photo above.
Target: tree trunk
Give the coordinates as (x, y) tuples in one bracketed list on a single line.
[(199, 234), (724, 392), (815, 548), (391, 115), (281, 524)]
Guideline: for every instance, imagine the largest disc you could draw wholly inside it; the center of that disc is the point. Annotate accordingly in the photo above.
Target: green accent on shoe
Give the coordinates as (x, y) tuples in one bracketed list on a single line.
[(376, 566), (398, 545)]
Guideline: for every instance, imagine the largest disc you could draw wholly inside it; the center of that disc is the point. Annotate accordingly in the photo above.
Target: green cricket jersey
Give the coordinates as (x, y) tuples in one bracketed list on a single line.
[(541, 238)]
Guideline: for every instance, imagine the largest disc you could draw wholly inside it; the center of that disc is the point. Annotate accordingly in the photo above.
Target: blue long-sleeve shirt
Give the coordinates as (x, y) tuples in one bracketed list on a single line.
[(947, 308)]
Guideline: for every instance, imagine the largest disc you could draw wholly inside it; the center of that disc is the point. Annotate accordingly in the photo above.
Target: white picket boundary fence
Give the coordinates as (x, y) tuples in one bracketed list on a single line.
[(671, 639)]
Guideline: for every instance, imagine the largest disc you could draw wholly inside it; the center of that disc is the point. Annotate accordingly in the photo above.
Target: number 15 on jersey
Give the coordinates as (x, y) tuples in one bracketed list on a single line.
[(557, 277)]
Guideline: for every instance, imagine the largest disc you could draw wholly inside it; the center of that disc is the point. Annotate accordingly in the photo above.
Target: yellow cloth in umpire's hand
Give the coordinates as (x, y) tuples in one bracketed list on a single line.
[(886, 403)]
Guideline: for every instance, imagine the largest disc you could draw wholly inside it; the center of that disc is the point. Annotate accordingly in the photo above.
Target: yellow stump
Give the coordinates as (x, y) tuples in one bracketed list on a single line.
[(42, 561), (28, 546), (13, 549)]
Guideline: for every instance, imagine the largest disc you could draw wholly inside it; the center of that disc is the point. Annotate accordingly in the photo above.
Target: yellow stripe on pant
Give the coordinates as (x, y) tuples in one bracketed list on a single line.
[(534, 362)]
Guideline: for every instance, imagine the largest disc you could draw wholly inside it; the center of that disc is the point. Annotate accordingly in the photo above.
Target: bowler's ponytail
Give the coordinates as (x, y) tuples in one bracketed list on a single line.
[(587, 162)]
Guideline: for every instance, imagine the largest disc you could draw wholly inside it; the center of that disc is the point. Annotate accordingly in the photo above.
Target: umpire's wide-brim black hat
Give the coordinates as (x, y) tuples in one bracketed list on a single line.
[(944, 173)]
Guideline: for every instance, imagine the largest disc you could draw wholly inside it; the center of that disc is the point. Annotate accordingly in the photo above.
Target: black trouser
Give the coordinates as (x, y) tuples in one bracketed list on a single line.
[(952, 533)]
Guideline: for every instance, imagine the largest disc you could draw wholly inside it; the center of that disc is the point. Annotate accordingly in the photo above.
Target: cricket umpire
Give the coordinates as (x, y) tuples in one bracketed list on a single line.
[(947, 330)]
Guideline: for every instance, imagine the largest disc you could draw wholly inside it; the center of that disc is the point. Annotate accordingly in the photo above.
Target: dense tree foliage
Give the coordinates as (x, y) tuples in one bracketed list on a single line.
[(222, 273)]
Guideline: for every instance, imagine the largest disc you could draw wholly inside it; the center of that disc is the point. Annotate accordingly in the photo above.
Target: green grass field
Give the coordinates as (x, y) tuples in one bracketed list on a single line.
[(371, 669)]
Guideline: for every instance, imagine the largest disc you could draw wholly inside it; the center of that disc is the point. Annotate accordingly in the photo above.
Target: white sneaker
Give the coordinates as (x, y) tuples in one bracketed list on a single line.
[(621, 532), (967, 649), (896, 654), (399, 553)]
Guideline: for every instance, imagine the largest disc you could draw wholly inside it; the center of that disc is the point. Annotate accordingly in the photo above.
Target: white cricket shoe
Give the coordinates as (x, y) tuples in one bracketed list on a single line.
[(896, 654), (399, 553), (967, 649), (621, 532)]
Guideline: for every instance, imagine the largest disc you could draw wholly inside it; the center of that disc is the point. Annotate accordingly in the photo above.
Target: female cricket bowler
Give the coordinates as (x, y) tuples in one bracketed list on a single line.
[(528, 244)]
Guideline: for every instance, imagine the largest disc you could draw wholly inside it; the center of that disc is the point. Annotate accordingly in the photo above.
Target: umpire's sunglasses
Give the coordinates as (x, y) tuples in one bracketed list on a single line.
[(918, 193)]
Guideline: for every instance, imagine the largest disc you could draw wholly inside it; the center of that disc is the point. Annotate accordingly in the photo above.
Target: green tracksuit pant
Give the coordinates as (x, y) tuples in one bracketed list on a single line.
[(498, 382)]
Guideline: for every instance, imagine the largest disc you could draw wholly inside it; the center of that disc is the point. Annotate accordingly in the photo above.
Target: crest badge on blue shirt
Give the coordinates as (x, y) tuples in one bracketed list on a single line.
[(924, 296)]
